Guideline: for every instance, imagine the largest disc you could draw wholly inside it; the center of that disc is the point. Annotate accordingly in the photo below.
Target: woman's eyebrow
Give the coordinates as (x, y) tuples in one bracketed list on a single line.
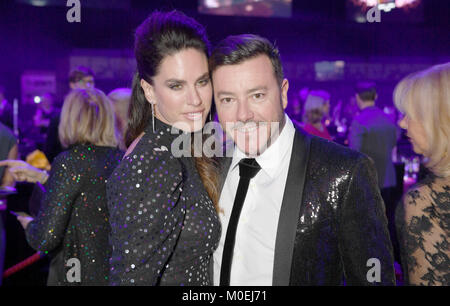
[(173, 80), (203, 76)]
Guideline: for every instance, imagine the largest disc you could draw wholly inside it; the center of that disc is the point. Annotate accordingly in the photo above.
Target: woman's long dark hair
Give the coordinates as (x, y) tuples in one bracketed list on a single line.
[(160, 35)]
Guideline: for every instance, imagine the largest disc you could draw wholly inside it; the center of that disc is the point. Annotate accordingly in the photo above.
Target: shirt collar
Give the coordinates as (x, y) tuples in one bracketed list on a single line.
[(270, 160)]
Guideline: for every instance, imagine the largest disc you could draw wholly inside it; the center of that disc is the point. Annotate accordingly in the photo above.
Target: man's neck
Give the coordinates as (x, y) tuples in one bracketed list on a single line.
[(367, 104)]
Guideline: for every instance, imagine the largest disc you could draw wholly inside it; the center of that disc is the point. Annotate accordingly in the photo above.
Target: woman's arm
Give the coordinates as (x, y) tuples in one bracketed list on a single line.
[(47, 231)]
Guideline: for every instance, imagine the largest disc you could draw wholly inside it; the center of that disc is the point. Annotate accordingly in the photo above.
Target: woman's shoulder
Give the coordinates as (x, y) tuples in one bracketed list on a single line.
[(429, 197), (417, 198), (133, 145), (84, 153), (153, 146), (151, 151)]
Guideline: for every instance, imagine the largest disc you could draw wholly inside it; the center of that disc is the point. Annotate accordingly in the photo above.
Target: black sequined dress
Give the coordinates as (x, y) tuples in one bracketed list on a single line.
[(164, 225), (72, 223)]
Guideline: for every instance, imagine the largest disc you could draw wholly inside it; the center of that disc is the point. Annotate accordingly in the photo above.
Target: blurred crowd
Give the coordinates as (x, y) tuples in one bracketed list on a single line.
[(385, 134)]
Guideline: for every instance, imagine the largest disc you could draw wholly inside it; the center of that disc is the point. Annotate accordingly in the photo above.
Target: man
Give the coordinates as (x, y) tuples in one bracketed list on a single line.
[(82, 78), (313, 214), (373, 133)]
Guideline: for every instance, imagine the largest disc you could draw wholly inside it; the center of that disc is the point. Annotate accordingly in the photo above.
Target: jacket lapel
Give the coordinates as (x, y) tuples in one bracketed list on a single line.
[(290, 209)]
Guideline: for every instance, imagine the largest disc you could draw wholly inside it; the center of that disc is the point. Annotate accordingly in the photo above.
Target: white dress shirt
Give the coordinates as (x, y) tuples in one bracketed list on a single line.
[(256, 233)]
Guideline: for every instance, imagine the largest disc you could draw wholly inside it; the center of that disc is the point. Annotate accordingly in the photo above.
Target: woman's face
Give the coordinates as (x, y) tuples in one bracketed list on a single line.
[(182, 90), (416, 133)]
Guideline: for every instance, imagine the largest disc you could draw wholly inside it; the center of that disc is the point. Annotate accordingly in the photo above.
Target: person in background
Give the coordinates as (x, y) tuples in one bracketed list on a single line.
[(375, 134), (315, 110), (8, 150), (72, 222), (79, 78), (45, 111), (6, 110), (423, 217), (120, 99)]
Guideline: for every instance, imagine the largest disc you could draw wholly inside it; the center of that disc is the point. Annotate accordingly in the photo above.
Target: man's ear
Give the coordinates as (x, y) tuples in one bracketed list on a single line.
[(148, 91), (284, 91)]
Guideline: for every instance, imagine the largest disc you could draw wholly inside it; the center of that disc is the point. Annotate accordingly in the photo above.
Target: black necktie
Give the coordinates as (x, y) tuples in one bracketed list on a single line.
[(248, 168)]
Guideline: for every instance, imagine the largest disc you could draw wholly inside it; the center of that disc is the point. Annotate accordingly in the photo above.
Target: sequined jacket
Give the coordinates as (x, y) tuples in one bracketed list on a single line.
[(332, 227)]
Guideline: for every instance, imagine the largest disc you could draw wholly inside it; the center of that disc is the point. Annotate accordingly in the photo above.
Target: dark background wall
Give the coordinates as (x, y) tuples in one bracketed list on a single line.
[(40, 38)]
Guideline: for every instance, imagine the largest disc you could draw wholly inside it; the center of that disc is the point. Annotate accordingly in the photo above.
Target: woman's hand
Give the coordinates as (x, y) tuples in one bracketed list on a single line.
[(24, 172)]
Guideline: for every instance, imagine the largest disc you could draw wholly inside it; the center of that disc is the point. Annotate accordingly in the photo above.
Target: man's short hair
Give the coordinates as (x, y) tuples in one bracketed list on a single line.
[(234, 50), (79, 73), (366, 91)]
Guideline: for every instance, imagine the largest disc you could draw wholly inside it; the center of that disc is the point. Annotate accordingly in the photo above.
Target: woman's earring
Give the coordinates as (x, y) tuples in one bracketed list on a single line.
[(210, 116), (153, 118)]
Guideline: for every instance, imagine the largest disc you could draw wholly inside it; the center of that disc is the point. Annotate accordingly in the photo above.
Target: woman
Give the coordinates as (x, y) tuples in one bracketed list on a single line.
[(423, 219), (316, 108), (72, 223), (120, 98), (163, 218)]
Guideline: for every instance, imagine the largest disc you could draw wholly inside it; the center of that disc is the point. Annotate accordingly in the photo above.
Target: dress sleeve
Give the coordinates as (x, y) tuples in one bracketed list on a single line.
[(423, 242), (47, 230), (366, 248), (147, 211)]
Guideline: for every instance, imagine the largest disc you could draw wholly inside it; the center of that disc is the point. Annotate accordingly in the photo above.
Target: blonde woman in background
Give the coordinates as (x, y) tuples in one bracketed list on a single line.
[(423, 221), (73, 218)]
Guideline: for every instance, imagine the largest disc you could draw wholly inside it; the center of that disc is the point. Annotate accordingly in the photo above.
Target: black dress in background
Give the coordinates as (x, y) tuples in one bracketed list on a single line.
[(73, 218), (164, 227)]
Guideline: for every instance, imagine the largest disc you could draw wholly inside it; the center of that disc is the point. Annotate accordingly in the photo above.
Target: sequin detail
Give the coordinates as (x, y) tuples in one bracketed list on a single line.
[(164, 226), (73, 220)]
